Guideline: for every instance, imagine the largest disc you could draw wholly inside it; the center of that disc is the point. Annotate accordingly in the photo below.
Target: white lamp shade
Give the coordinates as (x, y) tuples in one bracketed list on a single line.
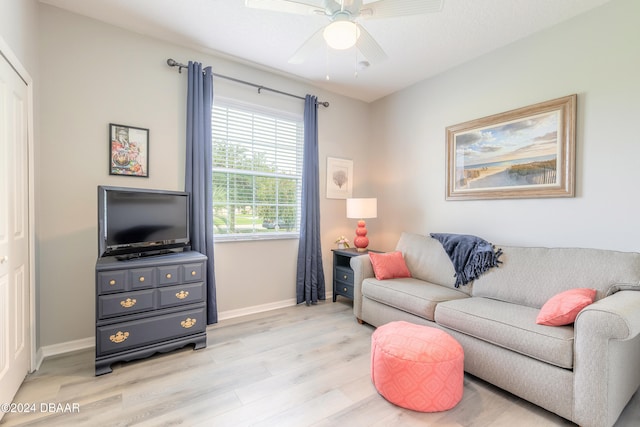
[(341, 34), (362, 208)]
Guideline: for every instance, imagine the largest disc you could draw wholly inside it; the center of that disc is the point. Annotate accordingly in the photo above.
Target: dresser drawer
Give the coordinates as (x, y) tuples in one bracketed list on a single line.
[(128, 335), (125, 303), (344, 274), (141, 278), (112, 281), (193, 272), (181, 294), (169, 275)]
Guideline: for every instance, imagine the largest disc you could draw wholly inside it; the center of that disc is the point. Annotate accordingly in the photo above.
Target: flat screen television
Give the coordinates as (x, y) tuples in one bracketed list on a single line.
[(137, 222)]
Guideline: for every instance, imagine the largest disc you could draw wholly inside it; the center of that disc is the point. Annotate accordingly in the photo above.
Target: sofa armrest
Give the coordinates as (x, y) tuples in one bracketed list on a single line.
[(623, 306), (362, 269), (607, 350)]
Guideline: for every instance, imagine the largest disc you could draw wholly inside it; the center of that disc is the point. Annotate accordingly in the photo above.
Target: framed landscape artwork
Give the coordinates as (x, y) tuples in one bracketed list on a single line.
[(339, 178), (523, 153), (129, 148)]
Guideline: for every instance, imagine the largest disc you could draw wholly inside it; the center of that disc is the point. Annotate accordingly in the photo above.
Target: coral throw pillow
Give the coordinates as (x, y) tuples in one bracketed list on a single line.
[(562, 309), (389, 265)]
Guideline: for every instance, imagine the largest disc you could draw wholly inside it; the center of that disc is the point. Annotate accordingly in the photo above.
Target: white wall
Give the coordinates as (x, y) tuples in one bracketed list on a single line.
[(596, 56), (95, 74), (18, 28)]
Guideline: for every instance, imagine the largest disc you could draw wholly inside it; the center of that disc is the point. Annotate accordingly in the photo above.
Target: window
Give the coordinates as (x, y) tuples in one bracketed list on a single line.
[(257, 172)]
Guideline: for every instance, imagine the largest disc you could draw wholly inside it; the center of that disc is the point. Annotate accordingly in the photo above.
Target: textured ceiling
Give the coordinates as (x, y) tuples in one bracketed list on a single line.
[(417, 47)]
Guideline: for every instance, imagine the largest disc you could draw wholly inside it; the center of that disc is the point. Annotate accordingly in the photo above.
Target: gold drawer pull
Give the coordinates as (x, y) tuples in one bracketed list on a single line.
[(182, 294), (112, 282), (168, 276), (128, 303), (141, 279), (188, 322), (119, 337), (345, 276), (193, 273), (344, 289)]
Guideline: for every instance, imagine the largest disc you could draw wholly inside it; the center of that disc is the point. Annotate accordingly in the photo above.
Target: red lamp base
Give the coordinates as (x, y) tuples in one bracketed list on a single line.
[(361, 241)]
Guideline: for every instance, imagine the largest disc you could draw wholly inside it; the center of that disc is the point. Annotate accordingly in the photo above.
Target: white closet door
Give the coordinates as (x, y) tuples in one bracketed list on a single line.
[(15, 342)]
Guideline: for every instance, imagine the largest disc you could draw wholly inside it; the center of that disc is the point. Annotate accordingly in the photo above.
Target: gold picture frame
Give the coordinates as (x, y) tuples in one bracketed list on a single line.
[(524, 153)]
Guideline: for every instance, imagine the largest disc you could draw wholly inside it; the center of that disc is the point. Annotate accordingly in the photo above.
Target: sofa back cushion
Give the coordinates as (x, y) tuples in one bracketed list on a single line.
[(426, 259), (531, 276)]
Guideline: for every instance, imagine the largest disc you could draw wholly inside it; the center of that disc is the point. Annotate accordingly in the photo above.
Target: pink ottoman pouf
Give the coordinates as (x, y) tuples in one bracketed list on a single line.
[(417, 367)]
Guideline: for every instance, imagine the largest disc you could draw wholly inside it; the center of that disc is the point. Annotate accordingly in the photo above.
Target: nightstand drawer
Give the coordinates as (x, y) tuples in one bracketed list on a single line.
[(137, 333), (182, 294), (125, 303), (344, 274), (344, 289)]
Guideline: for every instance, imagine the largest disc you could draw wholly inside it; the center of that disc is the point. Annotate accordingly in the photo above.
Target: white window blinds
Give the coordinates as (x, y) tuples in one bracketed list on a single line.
[(257, 172)]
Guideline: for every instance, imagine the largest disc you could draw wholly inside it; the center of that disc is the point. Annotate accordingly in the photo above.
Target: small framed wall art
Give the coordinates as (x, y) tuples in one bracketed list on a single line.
[(339, 178), (129, 148), (524, 153)]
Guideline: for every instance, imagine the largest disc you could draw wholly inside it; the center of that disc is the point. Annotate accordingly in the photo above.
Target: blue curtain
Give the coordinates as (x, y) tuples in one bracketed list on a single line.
[(198, 180), (310, 274)]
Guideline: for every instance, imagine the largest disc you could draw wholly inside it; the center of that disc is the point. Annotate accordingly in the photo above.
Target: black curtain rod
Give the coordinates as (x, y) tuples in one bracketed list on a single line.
[(173, 63)]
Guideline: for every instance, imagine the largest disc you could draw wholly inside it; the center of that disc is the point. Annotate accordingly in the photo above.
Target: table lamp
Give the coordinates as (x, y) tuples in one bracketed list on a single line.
[(361, 209)]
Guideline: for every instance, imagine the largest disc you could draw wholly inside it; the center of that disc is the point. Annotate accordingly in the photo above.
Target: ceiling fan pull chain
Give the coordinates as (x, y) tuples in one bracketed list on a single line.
[(326, 62), (355, 64)]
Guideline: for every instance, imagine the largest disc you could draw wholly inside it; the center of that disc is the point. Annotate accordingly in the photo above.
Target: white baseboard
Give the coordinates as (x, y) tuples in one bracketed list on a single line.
[(84, 343), (65, 347), (230, 314)]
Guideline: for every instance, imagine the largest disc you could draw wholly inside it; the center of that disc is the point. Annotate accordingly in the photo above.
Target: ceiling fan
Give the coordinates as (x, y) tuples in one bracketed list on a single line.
[(344, 29)]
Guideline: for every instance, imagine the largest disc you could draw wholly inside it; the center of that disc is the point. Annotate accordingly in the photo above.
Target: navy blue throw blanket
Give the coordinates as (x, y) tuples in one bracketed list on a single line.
[(471, 256)]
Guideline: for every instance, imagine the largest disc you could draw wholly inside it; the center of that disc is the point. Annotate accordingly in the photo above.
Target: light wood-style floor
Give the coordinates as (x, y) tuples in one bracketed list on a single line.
[(298, 366)]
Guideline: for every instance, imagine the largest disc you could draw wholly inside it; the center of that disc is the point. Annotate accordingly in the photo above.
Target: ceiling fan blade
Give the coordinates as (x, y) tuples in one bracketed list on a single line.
[(369, 47), (304, 7), (312, 44), (391, 8)]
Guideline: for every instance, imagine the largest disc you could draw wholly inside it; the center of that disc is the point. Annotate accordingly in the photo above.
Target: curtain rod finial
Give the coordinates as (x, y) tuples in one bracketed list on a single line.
[(173, 63)]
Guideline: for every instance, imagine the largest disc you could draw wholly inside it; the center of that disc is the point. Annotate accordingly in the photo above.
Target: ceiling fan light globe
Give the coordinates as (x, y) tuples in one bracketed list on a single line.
[(341, 35)]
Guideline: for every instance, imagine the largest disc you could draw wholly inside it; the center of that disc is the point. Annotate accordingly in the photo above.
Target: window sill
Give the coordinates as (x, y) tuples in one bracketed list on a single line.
[(222, 238)]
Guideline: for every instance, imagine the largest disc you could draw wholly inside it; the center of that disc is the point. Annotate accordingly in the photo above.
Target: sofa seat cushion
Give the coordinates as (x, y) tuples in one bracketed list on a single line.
[(408, 294), (510, 326)]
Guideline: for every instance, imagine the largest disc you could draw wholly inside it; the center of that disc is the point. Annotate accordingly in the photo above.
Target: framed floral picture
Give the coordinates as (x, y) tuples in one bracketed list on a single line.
[(339, 178), (129, 148), (524, 153)]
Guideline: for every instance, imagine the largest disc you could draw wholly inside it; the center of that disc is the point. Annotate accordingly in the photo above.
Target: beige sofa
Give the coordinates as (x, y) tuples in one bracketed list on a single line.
[(585, 372)]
